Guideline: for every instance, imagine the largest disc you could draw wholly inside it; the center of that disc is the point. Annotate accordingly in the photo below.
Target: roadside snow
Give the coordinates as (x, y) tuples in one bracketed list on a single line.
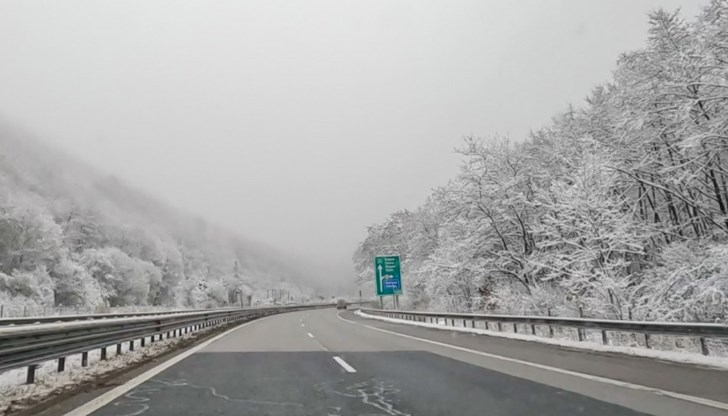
[(16, 395), (675, 356)]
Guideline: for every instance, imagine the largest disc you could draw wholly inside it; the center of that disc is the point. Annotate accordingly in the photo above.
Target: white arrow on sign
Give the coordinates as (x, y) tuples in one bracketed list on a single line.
[(379, 278)]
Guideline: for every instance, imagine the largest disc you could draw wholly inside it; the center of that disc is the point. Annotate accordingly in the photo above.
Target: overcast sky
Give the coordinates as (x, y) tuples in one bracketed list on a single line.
[(299, 123)]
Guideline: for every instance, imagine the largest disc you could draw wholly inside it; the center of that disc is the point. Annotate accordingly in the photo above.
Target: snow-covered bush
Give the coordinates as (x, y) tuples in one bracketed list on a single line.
[(690, 283), (34, 287)]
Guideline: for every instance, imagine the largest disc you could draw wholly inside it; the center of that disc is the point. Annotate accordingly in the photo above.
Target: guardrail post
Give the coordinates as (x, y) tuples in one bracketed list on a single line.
[(647, 341), (131, 345), (605, 340), (118, 349), (453, 322), (515, 328), (2, 310), (579, 330), (533, 329), (500, 327), (143, 342), (30, 379), (103, 354), (551, 329), (704, 346), (472, 323), (84, 359), (465, 323), (61, 364)]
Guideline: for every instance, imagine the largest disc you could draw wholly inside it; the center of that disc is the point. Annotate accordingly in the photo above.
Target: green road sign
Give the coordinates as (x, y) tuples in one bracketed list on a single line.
[(388, 276)]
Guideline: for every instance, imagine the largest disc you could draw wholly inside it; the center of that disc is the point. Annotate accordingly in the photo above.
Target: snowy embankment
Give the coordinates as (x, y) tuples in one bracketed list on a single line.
[(16, 395), (681, 355)]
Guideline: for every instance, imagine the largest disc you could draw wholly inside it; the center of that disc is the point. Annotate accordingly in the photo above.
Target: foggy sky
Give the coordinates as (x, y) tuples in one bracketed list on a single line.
[(299, 123)]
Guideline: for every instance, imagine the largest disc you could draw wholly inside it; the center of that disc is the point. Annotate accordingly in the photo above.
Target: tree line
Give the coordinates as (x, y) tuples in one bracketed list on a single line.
[(618, 208), (70, 236)]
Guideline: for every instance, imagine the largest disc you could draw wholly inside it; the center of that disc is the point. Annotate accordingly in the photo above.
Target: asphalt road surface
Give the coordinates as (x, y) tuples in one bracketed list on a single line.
[(333, 363)]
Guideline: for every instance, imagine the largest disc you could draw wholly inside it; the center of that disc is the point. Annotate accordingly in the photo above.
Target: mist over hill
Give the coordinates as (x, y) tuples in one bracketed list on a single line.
[(72, 236)]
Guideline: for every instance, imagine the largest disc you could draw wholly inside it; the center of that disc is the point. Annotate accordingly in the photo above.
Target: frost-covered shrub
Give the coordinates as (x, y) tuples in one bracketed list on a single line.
[(75, 286), (36, 286), (690, 283)]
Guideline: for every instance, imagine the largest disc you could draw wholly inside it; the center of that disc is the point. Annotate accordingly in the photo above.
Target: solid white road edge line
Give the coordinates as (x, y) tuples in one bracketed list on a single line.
[(344, 364), (680, 396), (310, 335), (106, 398)]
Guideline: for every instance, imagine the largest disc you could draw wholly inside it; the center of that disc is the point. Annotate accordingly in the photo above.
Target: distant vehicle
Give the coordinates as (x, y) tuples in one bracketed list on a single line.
[(341, 304)]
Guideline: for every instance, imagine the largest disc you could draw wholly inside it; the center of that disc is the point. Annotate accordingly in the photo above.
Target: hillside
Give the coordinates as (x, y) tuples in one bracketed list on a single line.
[(71, 236), (618, 209)]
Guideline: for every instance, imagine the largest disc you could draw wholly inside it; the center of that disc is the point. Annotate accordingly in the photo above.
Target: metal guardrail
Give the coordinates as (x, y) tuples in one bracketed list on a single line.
[(699, 330), (32, 344), (70, 318)]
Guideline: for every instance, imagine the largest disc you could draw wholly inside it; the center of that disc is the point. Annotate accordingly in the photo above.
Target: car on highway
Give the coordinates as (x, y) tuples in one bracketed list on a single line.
[(341, 304)]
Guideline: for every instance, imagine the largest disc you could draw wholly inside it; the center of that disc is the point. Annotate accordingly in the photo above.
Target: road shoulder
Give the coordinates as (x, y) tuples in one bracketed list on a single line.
[(703, 382)]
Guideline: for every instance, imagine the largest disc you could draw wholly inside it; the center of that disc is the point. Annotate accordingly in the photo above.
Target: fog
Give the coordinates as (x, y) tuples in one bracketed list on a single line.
[(299, 123)]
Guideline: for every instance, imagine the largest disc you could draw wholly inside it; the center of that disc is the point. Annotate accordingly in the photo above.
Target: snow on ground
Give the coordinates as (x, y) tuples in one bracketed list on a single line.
[(15, 394), (682, 354)]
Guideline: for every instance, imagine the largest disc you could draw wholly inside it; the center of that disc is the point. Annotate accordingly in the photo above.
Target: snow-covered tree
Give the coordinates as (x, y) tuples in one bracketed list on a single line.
[(615, 208)]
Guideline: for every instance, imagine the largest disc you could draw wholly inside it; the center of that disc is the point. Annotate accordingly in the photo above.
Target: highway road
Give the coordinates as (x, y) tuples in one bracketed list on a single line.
[(328, 363)]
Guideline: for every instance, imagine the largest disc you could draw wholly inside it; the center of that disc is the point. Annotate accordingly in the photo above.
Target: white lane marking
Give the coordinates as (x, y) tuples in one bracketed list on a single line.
[(347, 367), (310, 335), (660, 392), (106, 398)]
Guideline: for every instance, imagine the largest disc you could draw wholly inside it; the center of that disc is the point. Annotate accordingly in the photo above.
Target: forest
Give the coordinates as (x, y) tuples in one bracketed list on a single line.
[(71, 236), (617, 208)]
